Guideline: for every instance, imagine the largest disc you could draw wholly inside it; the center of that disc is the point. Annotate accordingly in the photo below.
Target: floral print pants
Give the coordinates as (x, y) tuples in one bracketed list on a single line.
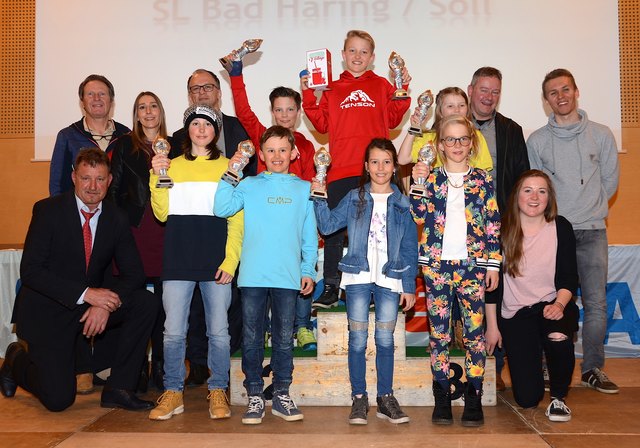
[(456, 280)]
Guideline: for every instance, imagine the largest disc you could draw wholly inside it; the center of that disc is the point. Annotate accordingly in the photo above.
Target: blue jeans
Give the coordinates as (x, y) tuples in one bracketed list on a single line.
[(303, 313), (592, 254), (283, 305), (176, 299), (386, 301)]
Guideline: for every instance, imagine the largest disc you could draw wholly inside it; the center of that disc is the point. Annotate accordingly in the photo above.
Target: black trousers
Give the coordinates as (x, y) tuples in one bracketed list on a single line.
[(525, 336), (48, 370)]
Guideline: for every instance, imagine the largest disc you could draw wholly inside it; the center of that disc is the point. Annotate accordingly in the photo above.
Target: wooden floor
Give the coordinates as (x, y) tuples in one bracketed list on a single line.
[(599, 421)]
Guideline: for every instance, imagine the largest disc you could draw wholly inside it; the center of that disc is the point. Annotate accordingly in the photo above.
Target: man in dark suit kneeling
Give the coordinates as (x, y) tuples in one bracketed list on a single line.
[(68, 287)]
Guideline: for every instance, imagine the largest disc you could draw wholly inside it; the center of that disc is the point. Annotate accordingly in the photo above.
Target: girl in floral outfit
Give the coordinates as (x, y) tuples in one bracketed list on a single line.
[(459, 253)]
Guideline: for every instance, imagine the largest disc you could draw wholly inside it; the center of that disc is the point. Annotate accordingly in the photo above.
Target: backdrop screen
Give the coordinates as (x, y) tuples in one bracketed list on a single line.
[(156, 44)]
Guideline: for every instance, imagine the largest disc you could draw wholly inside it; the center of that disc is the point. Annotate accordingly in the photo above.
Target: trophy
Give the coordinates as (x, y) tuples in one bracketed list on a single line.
[(396, 64), (425, 100), (248, 46), (322, 160), (232, 175), (426, 154), (162, 146)]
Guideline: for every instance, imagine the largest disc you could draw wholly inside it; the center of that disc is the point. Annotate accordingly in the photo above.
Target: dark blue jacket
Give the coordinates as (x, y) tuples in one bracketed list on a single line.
[(69, 142)]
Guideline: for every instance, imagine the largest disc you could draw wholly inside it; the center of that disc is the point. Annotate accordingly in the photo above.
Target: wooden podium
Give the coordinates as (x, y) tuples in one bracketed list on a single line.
[(322, 378)]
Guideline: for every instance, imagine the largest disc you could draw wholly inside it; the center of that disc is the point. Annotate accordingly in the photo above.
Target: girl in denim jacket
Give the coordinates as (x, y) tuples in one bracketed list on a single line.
[(381, 264), (460, 257)]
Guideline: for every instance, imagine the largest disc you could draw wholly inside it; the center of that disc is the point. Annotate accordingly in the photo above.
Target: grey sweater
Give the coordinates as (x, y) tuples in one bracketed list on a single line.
[(582, 161)]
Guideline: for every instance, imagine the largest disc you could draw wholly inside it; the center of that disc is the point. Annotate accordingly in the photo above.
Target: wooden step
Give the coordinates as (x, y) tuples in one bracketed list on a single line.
[(326, 383), (333, 336)]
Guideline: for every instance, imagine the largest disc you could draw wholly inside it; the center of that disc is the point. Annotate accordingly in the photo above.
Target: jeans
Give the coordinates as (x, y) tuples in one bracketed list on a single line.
[(176, 299), (592, 256), (303, 313), (386, 301), (254, 304)]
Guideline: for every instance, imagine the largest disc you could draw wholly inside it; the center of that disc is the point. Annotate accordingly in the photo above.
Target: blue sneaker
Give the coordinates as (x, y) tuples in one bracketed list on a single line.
[(283, 406), (255, 411)]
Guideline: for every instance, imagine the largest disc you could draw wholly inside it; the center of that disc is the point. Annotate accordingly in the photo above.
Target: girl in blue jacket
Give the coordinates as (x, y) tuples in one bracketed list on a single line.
[(381, 263)]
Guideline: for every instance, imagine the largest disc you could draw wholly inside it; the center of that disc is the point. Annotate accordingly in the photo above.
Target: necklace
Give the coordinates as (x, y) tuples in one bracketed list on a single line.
[(454, 185), (450, 182)]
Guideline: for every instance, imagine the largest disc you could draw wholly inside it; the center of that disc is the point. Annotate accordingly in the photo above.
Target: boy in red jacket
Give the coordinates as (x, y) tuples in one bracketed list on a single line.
[(357, 108), (285, 110)]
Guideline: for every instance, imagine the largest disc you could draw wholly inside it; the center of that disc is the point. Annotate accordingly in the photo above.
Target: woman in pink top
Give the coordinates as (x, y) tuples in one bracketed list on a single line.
[(535, 310)]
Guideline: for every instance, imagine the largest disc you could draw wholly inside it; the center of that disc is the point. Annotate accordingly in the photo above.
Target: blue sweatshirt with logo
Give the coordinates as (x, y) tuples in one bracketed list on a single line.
[(280, 244)]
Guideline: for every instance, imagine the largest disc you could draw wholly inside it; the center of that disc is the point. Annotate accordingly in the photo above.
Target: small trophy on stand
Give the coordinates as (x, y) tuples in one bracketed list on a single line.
[(232, 175), (425, 100), (396, 64), (162, 146), (426, 154), (248, 46), (322, 160)]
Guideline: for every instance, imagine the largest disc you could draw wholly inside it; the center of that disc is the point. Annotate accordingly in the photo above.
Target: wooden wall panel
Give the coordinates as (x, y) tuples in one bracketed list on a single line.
[(629, 31), (17, 67)]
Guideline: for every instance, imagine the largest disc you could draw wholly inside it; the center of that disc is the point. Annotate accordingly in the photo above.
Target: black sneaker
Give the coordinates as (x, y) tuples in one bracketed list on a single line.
[(328, 298), (472, 414), (359, 411), (389, 409), (598, 380), (558, 411)]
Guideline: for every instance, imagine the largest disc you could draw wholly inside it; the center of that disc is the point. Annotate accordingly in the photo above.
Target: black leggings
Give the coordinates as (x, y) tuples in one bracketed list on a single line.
[(525, 336)]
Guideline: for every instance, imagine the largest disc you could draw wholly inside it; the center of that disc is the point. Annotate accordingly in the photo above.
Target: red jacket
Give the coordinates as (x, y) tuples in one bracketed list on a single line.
[(353, 112), (303, 165)]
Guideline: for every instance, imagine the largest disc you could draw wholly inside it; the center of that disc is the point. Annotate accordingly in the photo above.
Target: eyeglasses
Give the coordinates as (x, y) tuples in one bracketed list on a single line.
[(450, 142), (206, 87)]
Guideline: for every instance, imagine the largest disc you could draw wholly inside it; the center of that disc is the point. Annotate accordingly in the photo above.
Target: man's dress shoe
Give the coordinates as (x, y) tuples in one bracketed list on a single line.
[(124, 399), (8, 383)]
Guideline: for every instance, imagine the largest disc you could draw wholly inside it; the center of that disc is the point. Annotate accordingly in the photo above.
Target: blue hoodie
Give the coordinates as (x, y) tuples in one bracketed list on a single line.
[(280, 244)]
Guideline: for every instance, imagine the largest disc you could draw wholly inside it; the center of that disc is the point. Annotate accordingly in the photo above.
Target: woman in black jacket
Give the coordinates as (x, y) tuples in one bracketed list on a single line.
[(129, 188), (535, 311)]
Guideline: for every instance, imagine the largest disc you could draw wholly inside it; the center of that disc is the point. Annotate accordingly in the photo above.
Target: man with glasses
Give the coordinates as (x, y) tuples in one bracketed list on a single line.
[(509, 153), (95, 130), (203, 87)]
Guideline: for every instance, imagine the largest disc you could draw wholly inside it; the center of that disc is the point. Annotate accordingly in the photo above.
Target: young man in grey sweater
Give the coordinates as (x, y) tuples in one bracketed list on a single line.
[(581, 158)]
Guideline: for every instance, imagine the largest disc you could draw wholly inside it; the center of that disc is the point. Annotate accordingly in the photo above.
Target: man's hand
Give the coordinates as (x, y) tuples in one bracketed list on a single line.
[(103, 298), (95, 321)]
